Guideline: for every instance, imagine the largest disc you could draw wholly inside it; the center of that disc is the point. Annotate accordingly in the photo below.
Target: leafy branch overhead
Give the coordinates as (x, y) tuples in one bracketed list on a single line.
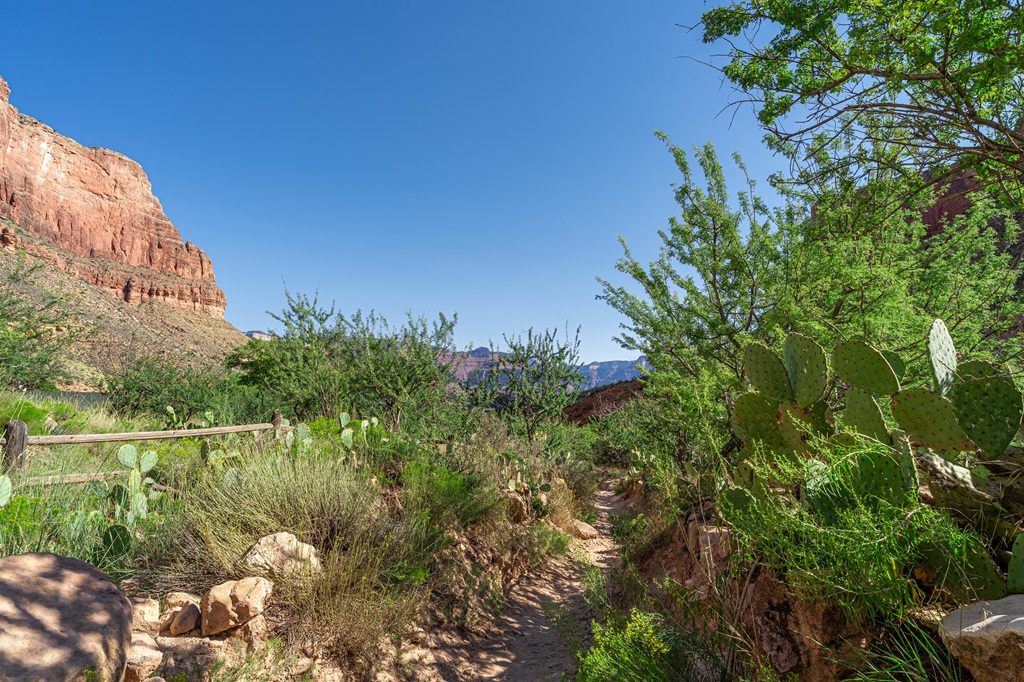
[(940, 81)]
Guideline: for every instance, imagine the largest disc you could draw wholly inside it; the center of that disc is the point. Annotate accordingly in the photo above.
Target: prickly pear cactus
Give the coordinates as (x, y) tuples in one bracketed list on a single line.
[(744, 476), (879, 478), (979, 369), (863, 415), (929, 419), (942, 354), (756, 417), (899, 367), (822, 494), (860, 365), (796, 427), (908, 468), (6, 488), (737, 503), (766, 372), (808, 372), (1015, 571), (989, 411)]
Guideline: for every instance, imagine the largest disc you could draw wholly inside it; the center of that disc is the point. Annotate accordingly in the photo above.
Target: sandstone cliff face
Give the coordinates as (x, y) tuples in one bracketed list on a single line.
[(91, 212)]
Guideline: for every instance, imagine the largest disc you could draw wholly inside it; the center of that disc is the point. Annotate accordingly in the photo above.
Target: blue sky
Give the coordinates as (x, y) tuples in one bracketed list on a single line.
[(470, 157)]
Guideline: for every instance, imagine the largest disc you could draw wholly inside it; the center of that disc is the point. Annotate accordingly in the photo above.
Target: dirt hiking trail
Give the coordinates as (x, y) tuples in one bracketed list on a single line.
[(524, 645)]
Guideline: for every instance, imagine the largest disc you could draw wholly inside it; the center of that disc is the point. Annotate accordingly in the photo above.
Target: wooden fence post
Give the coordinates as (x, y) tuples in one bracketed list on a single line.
[(15, 445)]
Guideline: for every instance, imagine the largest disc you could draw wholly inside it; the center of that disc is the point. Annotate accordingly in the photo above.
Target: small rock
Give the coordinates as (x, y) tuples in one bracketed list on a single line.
[(988, 638), (282, 554), (185, 620), (583, 530), (178, 600), (233, 603), (143, 660), (300, 666), (518, 510), (715, 541), (253, 633), (145, 614), (155, 679), (192, 657), (58, 617)]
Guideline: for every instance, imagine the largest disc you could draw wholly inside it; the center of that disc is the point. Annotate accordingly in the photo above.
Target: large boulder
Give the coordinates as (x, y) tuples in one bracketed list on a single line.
[(988, 638), (282, 554), (233, 603), (59, 619)]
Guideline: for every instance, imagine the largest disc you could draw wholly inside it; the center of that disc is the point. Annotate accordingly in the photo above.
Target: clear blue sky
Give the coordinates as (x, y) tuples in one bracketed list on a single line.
[(478, 157)]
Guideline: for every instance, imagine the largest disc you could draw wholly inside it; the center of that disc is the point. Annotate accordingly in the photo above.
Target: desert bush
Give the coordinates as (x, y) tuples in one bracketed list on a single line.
[(148, 385), (533, 382), (859, 553), (34, 334), (448, 498)]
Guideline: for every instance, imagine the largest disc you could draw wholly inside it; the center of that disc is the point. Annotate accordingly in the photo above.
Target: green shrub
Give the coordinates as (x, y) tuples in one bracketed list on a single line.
[(448, 498), (860, 554), (644, 650)]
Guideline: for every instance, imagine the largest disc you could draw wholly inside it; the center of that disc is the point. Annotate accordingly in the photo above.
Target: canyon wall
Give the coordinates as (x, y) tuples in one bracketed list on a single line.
[(92, 213)]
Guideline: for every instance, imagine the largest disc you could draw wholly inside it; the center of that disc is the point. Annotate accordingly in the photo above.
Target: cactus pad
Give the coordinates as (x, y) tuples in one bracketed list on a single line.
[(989, 410), (805, 364), (979, 369), (860, 365), (929, 419), (863, 415), (755, 415), (822, 494), (1015, 571), (896, 362), (766, 372), (796, 426), (908, 468), (737, 503), (879, 478), (942, 354), (745, 477)]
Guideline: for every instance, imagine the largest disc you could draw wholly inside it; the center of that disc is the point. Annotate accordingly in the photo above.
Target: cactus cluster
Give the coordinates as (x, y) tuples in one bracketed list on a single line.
[(131, 499), (974, 405), (971, 406)]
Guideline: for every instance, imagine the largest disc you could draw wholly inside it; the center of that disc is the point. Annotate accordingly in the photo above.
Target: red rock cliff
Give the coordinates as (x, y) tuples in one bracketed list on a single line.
[(92, 212)]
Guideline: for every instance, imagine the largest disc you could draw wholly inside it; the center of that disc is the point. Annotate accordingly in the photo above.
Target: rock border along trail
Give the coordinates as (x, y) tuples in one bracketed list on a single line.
[(524, 645)]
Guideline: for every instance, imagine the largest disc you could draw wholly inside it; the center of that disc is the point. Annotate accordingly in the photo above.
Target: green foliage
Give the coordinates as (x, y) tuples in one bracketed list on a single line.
[(908, 653), (935, 84), (533, 381), (34, 334), (448, 498), (148, 385), (643, 648), (859, 537), (325, 363), (6, 489)]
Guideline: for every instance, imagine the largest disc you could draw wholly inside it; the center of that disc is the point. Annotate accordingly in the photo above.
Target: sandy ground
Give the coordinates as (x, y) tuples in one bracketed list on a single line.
[(525, 644)]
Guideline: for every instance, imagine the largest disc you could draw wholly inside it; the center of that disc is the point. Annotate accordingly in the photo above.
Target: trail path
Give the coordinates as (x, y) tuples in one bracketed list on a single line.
[(524, 644)]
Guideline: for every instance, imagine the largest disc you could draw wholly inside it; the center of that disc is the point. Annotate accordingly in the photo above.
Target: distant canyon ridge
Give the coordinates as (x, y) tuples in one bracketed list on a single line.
[(91, 213), (466, 364)]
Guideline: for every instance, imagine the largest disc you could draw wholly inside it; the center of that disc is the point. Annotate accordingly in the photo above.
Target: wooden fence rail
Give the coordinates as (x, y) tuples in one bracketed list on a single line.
[(16, 440)]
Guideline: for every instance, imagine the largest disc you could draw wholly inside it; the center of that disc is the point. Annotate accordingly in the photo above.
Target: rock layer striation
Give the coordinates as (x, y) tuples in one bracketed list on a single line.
[(91, 212)]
